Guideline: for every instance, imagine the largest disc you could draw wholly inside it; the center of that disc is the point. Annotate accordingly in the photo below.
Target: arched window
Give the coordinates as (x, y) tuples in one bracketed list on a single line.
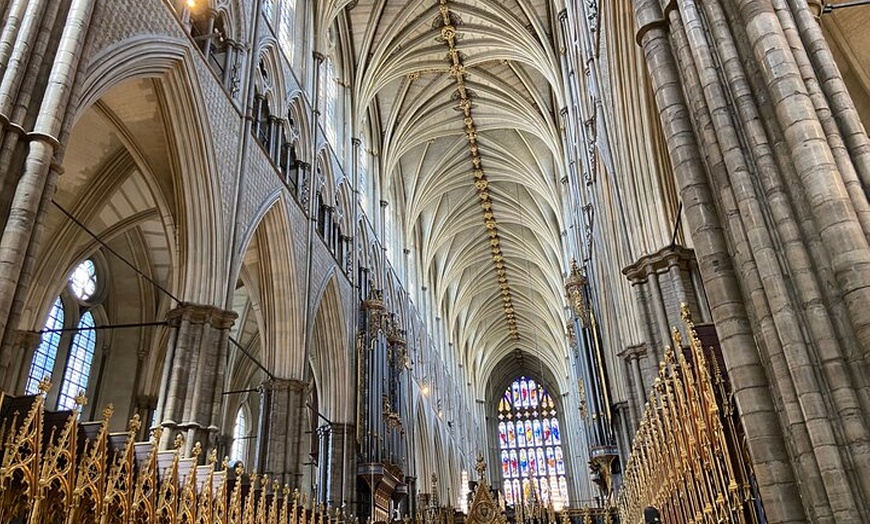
[(287, 33), (239, 448), (71, 353), (208, 28), (43, 360), (363, 181), (78, 364), (330, 101), (532, 462)]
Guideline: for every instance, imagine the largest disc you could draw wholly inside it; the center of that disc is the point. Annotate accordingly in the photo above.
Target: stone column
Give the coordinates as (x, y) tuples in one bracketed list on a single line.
[(15, 364), (282, 428), (190, 393), (35, 183), (322, 482), (340, 465)]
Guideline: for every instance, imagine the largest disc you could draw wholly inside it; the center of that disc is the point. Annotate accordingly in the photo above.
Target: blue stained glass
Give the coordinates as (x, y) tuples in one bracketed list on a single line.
[(554, 429), (46, 353), (78, 367), (531, 467)]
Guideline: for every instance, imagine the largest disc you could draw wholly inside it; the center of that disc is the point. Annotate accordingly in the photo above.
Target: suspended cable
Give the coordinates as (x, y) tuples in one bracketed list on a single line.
[(112, 251), (156, 285)]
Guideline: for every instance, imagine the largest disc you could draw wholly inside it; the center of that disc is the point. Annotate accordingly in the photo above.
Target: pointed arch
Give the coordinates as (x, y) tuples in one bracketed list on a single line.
[(330, 353), (274, 270), (198, 194)]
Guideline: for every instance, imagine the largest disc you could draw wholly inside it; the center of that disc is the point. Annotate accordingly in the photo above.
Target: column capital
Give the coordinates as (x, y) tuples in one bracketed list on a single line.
[(817, 7), (283, 384), (648, 14), (201, 314), (633, 352), (26, 340)]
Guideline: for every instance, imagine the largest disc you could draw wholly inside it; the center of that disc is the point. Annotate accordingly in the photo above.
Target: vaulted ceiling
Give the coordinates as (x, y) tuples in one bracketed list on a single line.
[(466, 95)]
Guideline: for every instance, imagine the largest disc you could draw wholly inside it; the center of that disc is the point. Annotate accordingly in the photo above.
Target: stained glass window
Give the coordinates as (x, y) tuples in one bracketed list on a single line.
[(43, 360), (83, 280), (532, 460), (76, 348), (78, 365)]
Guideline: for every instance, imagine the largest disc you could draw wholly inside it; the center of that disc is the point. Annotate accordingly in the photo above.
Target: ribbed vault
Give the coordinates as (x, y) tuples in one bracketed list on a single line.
[(466, 96)]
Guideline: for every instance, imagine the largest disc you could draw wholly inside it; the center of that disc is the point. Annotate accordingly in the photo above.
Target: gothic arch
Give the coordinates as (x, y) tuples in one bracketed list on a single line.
[(330, 353), (272, 267), (300, 136), (269, 78), (197, 196)]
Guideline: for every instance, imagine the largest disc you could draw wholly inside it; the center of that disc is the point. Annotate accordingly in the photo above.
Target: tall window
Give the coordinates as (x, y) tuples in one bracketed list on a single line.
[(363, 167), (72, 353), (531, 445), (287, 33), (208, 28), (239, 449), (78, 365), (46, 354), (330, 102)]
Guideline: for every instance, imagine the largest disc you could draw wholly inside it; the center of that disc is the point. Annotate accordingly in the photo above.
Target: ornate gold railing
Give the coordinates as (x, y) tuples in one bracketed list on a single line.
[(68, 472), (688, 458)]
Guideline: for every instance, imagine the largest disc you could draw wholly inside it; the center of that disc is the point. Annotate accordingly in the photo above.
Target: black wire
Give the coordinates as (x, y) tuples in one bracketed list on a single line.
[(149, 279), (100, 327), (857, 3), (112, 251), (677, 224)]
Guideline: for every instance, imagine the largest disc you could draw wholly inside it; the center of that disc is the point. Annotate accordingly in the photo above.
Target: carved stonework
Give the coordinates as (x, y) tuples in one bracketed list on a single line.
[(574, 289), (483, 509)]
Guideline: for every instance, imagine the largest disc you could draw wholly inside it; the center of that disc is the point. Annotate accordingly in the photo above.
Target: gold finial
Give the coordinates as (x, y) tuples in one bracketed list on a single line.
[(81, 400), (179, 441), (239, 469), (480, 467), (225, 463), (44, 384), (197, 449), (212, 457), (678, 338), (135, 424), (685, 312), (108, 411), (157, 433)]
